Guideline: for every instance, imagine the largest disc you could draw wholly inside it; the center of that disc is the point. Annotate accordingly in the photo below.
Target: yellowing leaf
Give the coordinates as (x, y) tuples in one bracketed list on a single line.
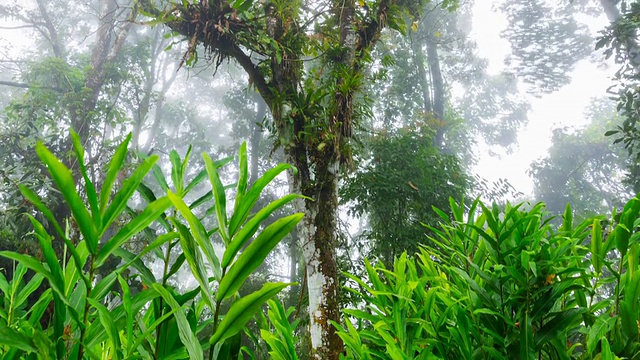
[(414, 26), (438, 34)]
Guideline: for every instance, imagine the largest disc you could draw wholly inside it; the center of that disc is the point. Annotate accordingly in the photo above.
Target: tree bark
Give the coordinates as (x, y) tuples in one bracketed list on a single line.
[(438, 90), (418, 59)]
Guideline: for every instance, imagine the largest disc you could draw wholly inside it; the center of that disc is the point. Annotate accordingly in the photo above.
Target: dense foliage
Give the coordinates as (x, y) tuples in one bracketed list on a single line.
[(81, 315), (492, 283)]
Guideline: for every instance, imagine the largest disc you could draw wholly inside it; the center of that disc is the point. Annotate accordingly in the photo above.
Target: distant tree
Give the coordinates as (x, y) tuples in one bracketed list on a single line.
[(404, 176), (583, 167)]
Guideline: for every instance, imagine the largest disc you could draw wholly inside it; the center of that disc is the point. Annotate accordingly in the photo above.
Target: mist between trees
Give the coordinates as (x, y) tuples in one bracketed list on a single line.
[(295, 179)]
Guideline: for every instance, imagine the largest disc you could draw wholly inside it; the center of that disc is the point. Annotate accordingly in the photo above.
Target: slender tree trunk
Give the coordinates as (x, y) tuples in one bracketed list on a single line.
[(423, 79), (438, 90)]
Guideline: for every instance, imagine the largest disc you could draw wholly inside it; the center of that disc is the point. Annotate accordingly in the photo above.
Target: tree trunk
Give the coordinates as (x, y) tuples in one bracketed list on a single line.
[(438, 90), (317, 239), (418, 59)]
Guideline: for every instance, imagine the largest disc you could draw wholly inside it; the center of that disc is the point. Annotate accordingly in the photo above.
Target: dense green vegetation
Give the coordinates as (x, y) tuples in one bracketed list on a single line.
[(492, 283), (337, 222)]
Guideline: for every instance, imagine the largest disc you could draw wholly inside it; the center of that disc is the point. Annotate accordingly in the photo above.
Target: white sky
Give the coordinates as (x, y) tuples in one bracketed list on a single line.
[(563, 108)]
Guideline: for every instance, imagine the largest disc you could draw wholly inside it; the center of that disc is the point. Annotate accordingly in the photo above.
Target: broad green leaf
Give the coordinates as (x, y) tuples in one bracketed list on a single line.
[(176, 171), (187, 336), (109, 325), (40, 307), (199, 234), (254, 255), (241, 213), (15, 339), (196, 181), (597, 332), (251, 227), (191, 253), (243, 310), (126, 306), (558, 323), (92, 196), (64, 180), (606, 353), (146, 217), (115, 165), (243, 178), (35, 200), (219, 197), (129, 187), (567, 220), (596, 247)]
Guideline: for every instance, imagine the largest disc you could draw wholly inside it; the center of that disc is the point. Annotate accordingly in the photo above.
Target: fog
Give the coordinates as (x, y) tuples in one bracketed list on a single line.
[(388, 113)]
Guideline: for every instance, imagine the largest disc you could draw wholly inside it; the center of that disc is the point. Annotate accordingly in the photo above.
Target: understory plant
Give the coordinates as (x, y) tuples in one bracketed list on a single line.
[(85, 316), (505, 284)]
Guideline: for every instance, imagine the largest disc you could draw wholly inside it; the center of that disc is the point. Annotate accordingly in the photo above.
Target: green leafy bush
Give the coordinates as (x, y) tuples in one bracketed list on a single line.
[(505, 285), (158, 321)]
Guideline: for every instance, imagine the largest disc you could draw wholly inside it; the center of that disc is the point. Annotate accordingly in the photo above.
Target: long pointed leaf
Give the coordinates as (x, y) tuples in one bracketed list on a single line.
[(146, 217), (199, 233), (251, 197), (64, 180), (92, 196), (252, 226), (243, 177), (219, 196), (187, 336), (129, 187), (255, 254), (243, 310), (114, 167)]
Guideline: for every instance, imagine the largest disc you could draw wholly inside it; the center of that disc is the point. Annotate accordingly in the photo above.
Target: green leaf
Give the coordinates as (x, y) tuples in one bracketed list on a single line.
[(243, 310), (596, 247), (597, 332), (559, 323), (219, 197), (15, 339), (527, 349), (251, 197), (192, 254), (146, 217), (243, 178), (199, 233), (115, 165), (64, 180), (109, 325), (252, 226), (129, 187), (187, 336), (176, 171), (196, 181), (606, 353), (92, 196), (255, 254), (567, 220)]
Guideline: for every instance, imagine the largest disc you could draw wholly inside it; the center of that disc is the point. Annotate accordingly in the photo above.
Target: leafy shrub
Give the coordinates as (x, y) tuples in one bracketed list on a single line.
[(157, 322), (505, 285)]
